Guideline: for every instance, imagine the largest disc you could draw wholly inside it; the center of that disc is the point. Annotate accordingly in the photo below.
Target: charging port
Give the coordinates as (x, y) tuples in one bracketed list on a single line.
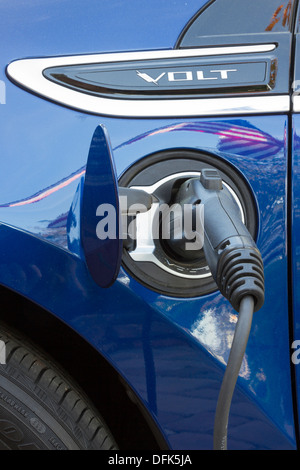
[(152, 259)]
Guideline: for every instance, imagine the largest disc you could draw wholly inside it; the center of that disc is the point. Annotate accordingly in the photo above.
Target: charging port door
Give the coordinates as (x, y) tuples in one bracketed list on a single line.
[(100, 210)]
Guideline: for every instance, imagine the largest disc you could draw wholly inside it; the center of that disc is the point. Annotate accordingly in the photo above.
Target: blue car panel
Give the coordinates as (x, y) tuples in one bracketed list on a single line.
[(170, 350)]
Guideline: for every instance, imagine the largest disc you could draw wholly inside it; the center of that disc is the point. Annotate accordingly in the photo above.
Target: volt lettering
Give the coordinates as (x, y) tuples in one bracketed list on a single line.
[(187, 75)]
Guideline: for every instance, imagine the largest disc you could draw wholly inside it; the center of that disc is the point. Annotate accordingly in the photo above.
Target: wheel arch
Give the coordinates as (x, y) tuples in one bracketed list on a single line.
[(127, 418)]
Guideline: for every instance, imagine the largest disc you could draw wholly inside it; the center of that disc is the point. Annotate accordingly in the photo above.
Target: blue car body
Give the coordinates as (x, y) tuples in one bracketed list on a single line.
[(169, 351)]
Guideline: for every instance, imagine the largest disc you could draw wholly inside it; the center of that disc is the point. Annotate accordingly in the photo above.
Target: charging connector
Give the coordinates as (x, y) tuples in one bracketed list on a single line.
[(231, 253), (236, 266)]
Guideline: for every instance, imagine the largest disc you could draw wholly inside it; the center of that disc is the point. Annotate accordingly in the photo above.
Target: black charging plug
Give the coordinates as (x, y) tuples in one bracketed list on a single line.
[(231, 253)]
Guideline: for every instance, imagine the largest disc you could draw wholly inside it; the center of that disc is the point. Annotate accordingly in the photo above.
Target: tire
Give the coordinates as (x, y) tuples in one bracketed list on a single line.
[(41, 409)]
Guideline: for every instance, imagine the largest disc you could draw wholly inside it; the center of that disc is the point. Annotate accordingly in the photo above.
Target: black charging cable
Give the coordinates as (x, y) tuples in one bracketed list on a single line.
[(236, 266), (232, 370)]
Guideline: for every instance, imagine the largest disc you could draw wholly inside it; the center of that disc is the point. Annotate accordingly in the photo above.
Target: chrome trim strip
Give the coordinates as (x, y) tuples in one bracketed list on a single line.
[(28, 73), (296, 103)]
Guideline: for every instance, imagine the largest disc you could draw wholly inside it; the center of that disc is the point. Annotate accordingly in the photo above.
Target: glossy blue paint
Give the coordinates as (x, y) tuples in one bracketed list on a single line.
[(171, 351), (141, 343), (54, 27), (205, 325)]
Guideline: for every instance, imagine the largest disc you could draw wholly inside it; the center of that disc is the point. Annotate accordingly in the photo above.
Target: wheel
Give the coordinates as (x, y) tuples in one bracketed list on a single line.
[(41, 409)]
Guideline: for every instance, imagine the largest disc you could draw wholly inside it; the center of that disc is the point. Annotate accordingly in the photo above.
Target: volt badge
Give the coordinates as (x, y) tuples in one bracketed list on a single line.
[(187, 76), (162, 77)]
